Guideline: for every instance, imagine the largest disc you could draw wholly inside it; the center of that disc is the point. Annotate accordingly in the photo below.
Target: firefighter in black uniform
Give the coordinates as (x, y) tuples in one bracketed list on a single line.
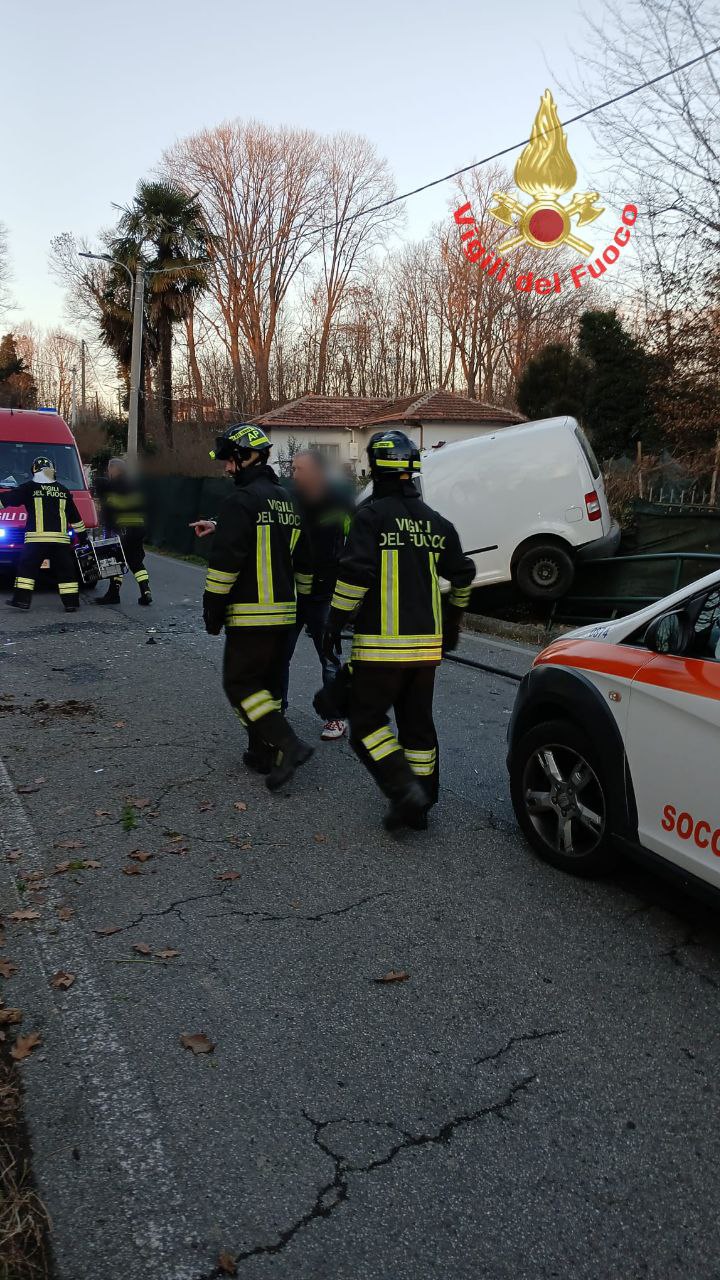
[(122, 511), (258, 551), (51, 515), (388, 583)]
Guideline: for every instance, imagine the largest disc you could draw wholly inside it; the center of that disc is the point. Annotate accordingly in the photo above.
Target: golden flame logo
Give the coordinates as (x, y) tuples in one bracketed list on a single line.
[(545, 171)]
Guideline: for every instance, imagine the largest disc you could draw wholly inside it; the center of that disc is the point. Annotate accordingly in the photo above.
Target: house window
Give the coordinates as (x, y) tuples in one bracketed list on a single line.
[(329, 451)]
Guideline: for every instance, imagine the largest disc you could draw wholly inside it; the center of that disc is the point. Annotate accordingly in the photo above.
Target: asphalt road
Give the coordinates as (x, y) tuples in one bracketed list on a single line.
[(537, 1099)]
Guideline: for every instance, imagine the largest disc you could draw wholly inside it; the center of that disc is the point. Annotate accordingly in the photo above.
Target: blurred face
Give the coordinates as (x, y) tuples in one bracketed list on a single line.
[(114, 471), (308, 476)]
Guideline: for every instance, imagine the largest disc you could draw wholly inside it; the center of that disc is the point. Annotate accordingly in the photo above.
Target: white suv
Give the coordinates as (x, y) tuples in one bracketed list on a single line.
[(614, 742)]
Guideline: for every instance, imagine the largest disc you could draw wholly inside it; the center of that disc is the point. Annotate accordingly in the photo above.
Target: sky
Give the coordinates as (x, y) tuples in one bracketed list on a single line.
[(98, 93)]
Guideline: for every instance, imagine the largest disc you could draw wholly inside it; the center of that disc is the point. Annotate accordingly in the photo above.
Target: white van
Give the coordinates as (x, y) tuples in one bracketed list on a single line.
[(528, 502)]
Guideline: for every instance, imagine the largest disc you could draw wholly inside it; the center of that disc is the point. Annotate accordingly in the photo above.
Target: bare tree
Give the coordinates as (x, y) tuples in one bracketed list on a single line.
[(6, 301)]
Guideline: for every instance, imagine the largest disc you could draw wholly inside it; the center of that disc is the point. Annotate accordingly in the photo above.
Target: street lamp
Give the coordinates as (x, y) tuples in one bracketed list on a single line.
[(137, 296)]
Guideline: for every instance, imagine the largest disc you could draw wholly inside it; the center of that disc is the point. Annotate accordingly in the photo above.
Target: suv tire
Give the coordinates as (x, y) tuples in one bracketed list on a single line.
[(561, 799)]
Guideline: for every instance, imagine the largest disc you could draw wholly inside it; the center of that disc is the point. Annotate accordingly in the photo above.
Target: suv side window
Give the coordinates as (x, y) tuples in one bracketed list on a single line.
[(705, 641)]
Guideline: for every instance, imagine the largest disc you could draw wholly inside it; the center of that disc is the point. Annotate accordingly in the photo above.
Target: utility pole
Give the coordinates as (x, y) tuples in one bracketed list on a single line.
[(82, 377), (73, 401), (135, 363)]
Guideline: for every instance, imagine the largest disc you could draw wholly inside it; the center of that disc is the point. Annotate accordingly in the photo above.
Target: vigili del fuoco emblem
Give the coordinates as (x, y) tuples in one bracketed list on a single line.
[(545, 171)]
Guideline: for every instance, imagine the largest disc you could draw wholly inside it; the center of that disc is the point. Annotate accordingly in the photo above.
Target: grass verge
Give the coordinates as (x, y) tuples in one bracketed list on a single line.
[(24, 1224)]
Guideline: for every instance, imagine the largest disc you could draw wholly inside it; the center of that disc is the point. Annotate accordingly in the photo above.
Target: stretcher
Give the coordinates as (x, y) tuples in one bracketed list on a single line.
[(100, 558)]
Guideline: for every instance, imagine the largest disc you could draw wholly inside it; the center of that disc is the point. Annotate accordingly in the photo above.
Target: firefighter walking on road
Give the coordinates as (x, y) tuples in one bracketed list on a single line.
[(51, 516), (388, 583), (250, 589), (122, 511)]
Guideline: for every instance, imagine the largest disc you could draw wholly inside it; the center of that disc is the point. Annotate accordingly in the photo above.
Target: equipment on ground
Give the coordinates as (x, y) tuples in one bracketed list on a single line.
[(100, 558)]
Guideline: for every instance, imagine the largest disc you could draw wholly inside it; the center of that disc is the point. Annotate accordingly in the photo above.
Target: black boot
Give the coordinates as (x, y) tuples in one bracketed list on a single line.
[(293, 754), (145, 597), (408, 809), (18, 604), (258, 761), (112, 595), (71, 608)]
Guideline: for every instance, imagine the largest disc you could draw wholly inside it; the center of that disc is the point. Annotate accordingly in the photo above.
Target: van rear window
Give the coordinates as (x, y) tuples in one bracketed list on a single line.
[(587, 449), (16, 459)]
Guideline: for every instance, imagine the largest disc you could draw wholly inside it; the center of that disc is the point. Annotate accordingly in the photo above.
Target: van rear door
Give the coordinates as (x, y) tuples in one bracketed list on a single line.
[(596, 503)]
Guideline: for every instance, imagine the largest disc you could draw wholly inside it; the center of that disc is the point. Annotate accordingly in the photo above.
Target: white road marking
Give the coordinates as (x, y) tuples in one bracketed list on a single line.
[(112, 1091)]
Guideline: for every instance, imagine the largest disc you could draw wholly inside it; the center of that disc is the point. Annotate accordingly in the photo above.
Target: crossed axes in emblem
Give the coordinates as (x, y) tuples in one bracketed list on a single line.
[(585, 207)]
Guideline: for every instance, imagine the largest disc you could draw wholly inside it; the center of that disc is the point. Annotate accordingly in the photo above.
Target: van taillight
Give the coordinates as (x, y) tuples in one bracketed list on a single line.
[(592, 502)]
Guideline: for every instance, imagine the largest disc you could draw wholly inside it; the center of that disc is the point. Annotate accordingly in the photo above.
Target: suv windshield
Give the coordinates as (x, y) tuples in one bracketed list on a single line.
[(16, 459)]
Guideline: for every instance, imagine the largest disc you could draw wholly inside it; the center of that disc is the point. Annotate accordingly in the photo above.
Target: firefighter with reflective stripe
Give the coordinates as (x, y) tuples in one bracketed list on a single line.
[(257, 554), (122, 508), (388, 583), (51, 516)]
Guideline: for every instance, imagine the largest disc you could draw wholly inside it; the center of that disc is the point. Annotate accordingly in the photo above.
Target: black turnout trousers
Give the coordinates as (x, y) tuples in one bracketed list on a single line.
[(395, 760), (134, 548), (62, 564), (253, 668)]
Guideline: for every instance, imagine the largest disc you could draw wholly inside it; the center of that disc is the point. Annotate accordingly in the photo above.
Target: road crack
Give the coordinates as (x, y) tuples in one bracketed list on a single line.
[(529, 1036), (267, 916)]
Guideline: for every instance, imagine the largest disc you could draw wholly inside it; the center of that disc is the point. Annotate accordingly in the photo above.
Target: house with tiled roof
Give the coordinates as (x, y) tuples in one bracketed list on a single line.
[(341, 426)]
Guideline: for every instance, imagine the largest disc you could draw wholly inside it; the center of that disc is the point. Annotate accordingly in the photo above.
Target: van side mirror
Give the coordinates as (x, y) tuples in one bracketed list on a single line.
[(670, 633)]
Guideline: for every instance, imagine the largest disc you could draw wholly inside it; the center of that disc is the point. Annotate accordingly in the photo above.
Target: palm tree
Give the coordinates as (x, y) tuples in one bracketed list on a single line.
[(165, 227)]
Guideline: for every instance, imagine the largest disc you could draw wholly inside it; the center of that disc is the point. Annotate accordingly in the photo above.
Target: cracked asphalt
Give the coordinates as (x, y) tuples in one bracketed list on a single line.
[(537, 1099)]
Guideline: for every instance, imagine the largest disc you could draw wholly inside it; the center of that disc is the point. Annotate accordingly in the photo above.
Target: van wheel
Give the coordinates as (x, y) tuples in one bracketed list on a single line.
[(560, 798), (544, 572)]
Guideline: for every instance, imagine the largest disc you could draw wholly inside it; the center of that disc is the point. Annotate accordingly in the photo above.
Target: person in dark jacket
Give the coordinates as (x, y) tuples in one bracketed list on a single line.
[(388, 582), (51, 516), (258, 554), (326, 512), (122, 511)]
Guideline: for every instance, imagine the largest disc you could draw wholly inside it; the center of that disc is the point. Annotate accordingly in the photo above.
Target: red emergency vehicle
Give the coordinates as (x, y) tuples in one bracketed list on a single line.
[(26, 434)]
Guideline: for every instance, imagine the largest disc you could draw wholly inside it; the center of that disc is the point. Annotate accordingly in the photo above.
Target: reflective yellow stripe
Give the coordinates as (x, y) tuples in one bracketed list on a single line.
[(422, 763), (294, 535), (79, 526), (303, 582), (218, 582), (141, 575), (39, 522), (44, 536), (428, 640), (437, 608), (427, 648), (280, 614), (389, 599), (460, 596), (381, 743), (350, 589), (258, 705), (264, 565), (25, 584), (67, 588), (62, 512)]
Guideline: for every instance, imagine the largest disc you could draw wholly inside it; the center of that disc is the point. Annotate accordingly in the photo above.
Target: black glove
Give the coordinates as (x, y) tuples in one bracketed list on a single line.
[(451, 629), (331, 643), (213, 620)]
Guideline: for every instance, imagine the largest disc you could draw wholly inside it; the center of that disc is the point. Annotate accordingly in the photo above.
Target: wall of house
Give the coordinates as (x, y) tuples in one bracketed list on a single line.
[(340, 439)]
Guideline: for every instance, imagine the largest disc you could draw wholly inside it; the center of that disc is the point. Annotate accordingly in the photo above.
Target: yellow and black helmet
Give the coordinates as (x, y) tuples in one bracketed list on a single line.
[(392, 452), (239, 441), (42, 464)]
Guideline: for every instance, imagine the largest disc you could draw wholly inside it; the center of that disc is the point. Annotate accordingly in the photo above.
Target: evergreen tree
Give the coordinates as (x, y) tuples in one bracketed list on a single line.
[(618, 403), (554, 382), (17, 386)]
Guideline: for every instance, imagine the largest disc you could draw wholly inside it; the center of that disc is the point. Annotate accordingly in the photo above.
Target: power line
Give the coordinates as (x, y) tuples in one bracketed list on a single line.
[(582, 115)]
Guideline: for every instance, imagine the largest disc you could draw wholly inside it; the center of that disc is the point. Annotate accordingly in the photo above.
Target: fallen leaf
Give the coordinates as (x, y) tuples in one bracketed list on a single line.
[(132, 870), (14, 855), (119, 724), (62, 979), (139, 855), (205, 806), (395, 975), (199, 1042), (65, 913), (152, 813), (91, 864), (61, 867), (319, 839), (110, 928), (7, 968), (9, 1017), (240, 805), (138, 804), (28, 787), (24, 915), (24, 1046), (227, 1264), (177, 849), (167, 954), (103, 813), (228, 875), (142, 948), (174, 835), (69, 844)]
